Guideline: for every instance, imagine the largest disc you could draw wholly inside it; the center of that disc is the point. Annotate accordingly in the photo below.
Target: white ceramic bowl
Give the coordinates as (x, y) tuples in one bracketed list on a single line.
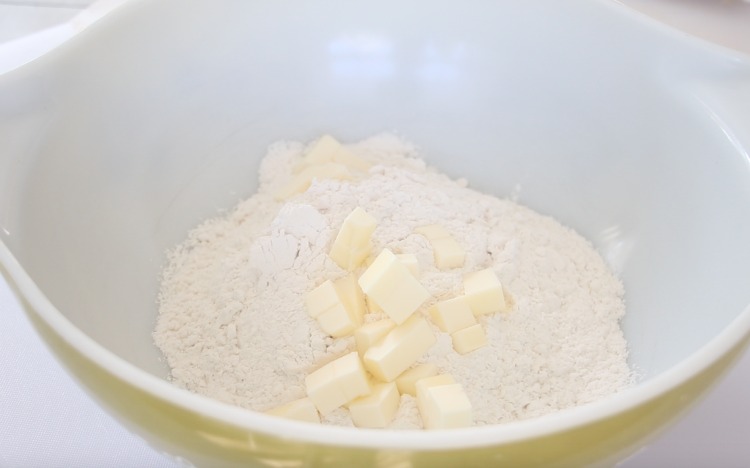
[(117, 143)]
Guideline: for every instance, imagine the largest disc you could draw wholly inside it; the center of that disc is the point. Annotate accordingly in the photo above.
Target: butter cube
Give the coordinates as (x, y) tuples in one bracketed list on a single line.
[(469, 339), (410, 261), (300, 410), (446, 251), (328, 149), (399, 349), (321, 298), (444, 406), (484, 292), (453, 314), (392, 286), (372, 306), (302, 181), (337, 383), (352, 244), (378, 408), (370, 333), (338, 321), (351, 295), (432, 381), (407, 381), (339, 307)]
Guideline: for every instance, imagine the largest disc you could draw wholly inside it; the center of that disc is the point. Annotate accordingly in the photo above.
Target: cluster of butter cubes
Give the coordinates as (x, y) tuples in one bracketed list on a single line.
[(327, 159), (370, 381), (483, 294)]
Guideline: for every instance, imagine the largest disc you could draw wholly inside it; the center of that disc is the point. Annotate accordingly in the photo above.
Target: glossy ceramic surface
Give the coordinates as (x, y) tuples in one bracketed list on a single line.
[(120, 141)]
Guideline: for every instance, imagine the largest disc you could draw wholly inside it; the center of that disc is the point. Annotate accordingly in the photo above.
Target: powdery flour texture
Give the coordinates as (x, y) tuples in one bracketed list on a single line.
[(233, 326)]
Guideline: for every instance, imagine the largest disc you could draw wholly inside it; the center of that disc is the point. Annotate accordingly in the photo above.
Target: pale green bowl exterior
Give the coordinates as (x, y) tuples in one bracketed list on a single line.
[(208, 442)]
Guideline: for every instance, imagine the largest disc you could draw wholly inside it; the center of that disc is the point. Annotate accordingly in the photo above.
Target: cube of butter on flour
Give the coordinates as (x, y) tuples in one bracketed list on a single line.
[(440, 379), (443, 405), (399, 349), (377, 409), (321, 298), (407, 381), (352, 244), (392, 286), (372, 306), (300, 410), (370, 333), (338, 321), (452, 314), (338, 307), (410, 261), (337, 383), (484, 292), (302, 181), (469, 339), (446, 251), (351, 295), (328, 149)]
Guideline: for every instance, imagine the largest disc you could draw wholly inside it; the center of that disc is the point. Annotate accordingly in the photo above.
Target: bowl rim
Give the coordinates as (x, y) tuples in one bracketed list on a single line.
[(473, 437)]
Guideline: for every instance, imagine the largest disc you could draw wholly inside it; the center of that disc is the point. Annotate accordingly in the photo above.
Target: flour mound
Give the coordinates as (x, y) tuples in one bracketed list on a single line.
[(233, 326)]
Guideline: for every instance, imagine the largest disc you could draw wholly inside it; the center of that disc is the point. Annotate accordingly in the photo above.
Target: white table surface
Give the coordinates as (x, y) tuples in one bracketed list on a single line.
[(46, 420)]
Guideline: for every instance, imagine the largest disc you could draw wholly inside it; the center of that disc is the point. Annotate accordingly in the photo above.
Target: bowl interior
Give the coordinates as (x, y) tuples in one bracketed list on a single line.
[(120, 142)]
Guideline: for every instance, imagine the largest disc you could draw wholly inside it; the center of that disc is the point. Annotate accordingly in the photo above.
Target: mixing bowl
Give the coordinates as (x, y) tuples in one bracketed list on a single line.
[(121, 140)]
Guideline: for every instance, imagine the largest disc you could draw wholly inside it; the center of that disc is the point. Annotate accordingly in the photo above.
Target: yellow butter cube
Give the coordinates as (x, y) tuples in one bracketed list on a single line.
[(321, 298), (338, 321), (410, 261), (444, 406), (302, 181), (452, 314), (441, 379), (377, 409), (370, 333), (352, 244), (328, 149), (399, 349), (469, 339), (339, 307), (407, 381), (446, 251), (391, 285), (372, 306), (337, 383), (484, 292), (299, 410), (351, 295)]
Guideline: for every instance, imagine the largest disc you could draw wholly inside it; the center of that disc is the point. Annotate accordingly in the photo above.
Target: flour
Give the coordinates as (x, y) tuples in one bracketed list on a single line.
[(233, 326)]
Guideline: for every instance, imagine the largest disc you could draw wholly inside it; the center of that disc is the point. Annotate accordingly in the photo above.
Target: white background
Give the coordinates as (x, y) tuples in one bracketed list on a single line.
[(47, 421)]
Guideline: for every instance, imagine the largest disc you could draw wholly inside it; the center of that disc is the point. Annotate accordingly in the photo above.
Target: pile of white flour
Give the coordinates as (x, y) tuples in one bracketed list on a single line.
[(233, 324)]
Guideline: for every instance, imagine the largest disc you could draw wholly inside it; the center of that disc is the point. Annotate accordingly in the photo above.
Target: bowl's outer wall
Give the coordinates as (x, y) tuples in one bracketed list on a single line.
[(207, 442)]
